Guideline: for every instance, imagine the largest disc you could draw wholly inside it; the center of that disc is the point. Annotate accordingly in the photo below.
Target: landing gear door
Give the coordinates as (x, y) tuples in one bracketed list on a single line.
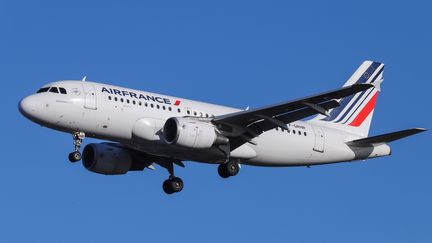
[(90, 96), (319, 139)]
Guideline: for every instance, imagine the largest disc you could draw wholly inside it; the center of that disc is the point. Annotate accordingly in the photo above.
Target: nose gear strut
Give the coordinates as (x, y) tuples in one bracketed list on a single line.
[(78, 138)]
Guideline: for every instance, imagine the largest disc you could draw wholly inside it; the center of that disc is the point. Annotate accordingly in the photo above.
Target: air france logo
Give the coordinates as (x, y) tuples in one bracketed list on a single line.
[(140, 96)]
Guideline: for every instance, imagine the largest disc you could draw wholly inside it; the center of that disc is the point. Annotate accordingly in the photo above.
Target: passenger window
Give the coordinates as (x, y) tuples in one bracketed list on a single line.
[(188, 112), (277, 128), (109, 97), (115, 99), (121, 100), (139, 103), (53, 90), (299, 133), (163, 107), (62, 90), (43, 90), (145, 104), (293, 131), (157, 106), (206, 115), (151, 105), (127, 101), (178, 110), (195, 113), (169, 108)]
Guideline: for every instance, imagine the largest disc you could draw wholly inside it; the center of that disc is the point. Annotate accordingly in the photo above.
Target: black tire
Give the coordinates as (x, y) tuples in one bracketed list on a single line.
[(232, 168), (166, 187), (172, 185), (74, 157), (222, 171), (176, 184)]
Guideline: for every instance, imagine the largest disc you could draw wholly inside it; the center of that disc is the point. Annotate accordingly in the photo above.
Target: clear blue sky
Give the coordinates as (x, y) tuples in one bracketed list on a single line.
[(237, 53)]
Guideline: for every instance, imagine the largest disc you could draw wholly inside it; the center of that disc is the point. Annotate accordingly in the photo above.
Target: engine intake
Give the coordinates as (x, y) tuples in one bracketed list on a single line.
[(108, 159), (191, 133)]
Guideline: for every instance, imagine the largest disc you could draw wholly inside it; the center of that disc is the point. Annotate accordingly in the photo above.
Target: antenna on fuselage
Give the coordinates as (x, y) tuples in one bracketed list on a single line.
[(84, 79)]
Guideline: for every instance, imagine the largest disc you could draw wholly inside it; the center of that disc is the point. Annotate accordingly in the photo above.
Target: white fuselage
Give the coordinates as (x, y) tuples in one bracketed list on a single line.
[(136, 119)]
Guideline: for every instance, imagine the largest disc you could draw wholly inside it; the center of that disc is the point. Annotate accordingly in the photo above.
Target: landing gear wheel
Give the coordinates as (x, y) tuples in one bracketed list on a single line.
[(232, 168), (222, 171), (172, 185), (78, 138), (166, 187), (228, 169), (75, 156)]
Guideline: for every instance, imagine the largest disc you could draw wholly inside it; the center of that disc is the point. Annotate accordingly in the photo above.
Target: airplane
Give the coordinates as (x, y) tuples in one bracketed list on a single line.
[(144, 129)]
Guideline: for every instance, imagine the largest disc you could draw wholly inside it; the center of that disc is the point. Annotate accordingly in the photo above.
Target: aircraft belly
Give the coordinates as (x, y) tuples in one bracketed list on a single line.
[(211, 155), (276, 148)]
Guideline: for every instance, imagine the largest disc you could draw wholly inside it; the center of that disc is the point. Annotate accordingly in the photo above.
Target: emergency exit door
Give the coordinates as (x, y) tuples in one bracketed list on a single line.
[(90, 96), (319, 139)]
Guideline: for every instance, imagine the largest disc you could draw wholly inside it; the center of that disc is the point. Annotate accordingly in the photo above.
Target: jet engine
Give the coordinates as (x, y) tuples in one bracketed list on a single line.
[(110, 159), (192, 133)]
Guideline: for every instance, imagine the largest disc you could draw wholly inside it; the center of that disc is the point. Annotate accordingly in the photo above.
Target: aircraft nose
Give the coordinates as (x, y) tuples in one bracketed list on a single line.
[(27, 107)]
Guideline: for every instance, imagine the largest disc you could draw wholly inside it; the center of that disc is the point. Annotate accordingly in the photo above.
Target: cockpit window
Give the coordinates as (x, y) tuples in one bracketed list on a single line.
[(43, 90), (62, 90), (53, 90)]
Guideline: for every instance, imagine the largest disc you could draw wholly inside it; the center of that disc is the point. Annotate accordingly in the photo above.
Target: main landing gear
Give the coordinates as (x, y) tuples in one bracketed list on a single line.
[(230, 168), (172, 184), (78, 138)]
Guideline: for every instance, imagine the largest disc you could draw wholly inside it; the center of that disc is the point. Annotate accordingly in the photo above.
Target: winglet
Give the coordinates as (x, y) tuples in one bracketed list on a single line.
[(377, 84)]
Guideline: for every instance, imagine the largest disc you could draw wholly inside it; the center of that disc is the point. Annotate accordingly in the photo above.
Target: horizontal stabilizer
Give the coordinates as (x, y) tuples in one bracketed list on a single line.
[(385, 138)]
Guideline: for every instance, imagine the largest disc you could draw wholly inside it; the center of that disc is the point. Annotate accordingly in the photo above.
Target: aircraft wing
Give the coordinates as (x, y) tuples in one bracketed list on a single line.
[(250, 123), (385, 138)]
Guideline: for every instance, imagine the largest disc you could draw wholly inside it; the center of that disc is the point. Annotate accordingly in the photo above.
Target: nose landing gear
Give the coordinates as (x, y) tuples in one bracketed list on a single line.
[(78, 138)]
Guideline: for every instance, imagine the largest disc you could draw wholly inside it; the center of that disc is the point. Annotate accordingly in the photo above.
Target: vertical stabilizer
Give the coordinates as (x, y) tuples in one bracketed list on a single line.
[(356, 111)]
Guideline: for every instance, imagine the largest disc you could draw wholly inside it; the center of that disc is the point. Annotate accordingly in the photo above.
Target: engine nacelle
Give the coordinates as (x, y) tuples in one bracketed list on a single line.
[(191, 133), (107, 159)]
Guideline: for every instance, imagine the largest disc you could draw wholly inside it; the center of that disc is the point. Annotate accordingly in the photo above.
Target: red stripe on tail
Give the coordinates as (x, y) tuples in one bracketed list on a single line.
[(364, 112)]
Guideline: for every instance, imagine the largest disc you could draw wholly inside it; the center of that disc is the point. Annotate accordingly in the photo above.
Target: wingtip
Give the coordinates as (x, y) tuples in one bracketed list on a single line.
[(363, 86)]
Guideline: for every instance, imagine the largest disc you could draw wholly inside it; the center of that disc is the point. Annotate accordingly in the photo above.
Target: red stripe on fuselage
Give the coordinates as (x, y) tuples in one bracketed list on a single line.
[(364, 112)]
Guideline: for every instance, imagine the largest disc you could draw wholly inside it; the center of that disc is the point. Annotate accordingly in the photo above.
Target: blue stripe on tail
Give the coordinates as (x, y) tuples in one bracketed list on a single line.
[(345, 101)]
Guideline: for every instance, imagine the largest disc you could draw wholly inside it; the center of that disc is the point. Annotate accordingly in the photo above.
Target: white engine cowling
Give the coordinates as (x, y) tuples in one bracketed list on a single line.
[(191, 133), (106, 159)]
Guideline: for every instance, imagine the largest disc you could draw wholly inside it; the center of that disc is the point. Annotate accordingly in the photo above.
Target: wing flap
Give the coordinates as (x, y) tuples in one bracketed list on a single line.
[(247, 117), (263, 126), (241, 127)]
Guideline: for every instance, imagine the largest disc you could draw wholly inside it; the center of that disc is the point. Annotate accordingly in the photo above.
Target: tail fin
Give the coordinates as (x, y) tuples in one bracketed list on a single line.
[(355, 112)]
